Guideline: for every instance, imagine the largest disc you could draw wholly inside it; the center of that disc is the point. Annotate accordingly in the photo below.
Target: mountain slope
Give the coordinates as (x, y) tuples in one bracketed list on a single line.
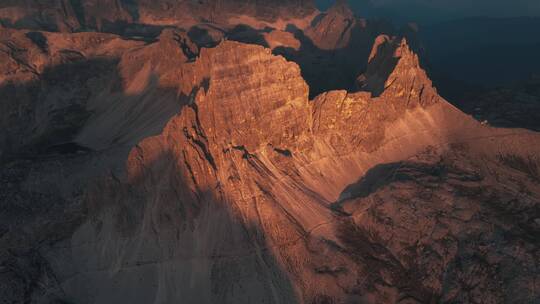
[(250, 193), (209, 176)]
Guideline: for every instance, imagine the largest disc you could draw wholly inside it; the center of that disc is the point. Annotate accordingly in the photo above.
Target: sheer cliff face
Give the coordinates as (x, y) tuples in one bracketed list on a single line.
[(209, 176)]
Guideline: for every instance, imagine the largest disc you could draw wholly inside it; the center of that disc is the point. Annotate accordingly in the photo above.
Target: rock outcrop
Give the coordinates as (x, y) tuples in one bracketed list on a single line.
[(394, 70), (420, 228), (334, 48), (333, 29)]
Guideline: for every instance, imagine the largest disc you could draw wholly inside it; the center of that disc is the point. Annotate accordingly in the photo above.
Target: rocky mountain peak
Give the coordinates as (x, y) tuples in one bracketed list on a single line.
[(333, 29), (394, 69), (245, 91)]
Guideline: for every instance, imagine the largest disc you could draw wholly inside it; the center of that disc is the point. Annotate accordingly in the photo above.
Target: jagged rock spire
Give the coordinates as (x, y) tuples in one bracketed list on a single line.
[(394, 70)]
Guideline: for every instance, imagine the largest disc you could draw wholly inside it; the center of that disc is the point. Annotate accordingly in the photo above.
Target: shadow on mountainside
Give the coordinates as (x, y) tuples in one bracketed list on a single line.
[(246, 34), (50, 110), (439, 231), (326, 70), (33, 216), (162, 225), (44, 116), (323, 70), (377, 177), (40, 158), (203, 223)]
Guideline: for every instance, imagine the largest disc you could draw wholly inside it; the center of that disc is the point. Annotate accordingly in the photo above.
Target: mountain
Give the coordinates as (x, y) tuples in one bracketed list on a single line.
[(190, 169), (117, 15)]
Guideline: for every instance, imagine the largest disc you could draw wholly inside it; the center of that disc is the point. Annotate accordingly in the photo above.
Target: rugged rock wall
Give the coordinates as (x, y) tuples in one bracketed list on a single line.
[(335, 43), (113, 15)]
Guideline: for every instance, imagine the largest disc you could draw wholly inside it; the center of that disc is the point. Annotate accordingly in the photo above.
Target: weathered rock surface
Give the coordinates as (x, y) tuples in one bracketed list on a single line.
[(439, 227), (115, 15), (394, 70), (334, 43), (334, 48), (333, 29), (211, 177)]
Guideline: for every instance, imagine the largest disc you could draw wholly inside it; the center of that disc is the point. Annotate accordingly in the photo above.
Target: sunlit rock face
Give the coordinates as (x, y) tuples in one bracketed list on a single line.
[(394, 70), (208, 175), (335, 43), (333, 48), (333, 29), (115, 15)]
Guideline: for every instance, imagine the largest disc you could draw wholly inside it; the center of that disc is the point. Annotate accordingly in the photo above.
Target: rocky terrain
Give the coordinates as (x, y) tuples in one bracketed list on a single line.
[(220, 166), (119, 15)]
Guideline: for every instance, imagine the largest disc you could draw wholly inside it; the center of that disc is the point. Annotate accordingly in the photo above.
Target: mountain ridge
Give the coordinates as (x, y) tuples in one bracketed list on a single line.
[(210, 175)]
